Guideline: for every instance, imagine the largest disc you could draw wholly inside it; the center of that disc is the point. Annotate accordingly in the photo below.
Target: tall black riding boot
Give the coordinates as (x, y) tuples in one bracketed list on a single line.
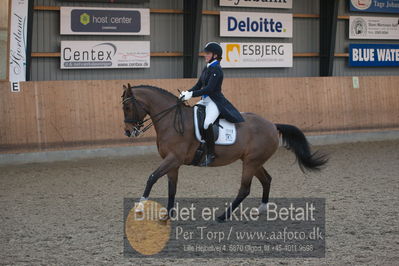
[(210, 146)]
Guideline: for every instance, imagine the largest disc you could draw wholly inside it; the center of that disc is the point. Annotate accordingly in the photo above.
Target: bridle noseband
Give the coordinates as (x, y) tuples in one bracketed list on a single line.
[(139, 123)]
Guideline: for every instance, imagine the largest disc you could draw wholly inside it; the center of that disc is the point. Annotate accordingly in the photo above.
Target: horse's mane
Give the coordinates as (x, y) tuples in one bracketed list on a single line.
[(163, 91)]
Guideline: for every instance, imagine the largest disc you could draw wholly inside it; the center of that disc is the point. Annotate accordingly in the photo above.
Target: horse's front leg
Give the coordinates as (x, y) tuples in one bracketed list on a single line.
[(172, 184), (170, 162)]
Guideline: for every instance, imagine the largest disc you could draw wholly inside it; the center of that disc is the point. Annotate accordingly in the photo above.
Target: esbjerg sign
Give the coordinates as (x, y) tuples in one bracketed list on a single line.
[(105, 21), (105, 54), (257, 3), (252, 24), (257, 55)]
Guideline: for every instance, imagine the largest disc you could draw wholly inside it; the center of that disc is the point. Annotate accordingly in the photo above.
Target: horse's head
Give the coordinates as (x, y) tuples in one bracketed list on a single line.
[(133, 112)]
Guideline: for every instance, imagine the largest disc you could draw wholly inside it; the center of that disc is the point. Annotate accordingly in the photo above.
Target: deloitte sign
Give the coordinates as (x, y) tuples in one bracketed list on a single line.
[(252, 24)]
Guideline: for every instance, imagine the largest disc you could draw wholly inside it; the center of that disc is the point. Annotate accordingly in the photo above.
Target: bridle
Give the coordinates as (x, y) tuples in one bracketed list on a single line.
[(139, 123)]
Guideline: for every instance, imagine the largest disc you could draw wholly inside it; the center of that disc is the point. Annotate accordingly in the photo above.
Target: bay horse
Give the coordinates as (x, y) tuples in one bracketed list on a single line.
[(257, 140)]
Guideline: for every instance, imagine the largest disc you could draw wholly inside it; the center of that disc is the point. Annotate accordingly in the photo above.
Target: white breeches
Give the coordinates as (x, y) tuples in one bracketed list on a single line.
[(211, 109)]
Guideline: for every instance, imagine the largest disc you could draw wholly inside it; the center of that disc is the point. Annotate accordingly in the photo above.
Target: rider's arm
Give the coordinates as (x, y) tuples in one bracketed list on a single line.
[(196, 86), (216, 76)]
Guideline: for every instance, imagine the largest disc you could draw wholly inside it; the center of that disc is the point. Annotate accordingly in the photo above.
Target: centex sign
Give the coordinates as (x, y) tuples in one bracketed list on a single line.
[(256, 24)]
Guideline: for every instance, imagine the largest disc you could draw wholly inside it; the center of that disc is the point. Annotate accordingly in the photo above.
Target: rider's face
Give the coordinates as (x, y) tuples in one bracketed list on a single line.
[(208, 56)]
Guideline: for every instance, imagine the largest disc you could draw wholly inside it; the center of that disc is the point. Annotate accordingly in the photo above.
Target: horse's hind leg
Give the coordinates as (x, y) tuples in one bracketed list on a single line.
[(265, 179), (249, 171)]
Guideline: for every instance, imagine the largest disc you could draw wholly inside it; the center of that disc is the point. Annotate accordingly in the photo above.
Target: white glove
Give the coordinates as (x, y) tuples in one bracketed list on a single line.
[(186, 95)]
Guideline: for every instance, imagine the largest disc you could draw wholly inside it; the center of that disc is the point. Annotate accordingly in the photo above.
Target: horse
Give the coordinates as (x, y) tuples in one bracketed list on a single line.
[(257, 140)]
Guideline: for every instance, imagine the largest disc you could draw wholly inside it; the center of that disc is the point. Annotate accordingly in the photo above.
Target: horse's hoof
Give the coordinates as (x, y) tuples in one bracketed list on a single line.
[(139, 208), (164, 217), (262, 208)]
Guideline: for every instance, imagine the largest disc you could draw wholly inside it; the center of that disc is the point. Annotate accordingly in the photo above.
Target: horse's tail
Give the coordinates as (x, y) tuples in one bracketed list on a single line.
[(295, 140)]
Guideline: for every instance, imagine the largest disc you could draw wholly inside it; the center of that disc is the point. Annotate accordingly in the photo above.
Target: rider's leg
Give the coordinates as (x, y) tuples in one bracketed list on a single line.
[(212, 113)]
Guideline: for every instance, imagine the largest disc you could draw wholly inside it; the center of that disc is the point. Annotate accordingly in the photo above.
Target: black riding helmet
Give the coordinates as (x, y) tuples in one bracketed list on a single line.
[(214, 47)]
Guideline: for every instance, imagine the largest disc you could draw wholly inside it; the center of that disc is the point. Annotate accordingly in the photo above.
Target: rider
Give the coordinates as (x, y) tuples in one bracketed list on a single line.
[(209, 86)]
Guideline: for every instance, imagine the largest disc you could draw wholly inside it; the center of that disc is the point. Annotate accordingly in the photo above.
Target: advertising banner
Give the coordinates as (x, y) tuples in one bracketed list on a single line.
[(373, 55), (257, 55), (251, 24), (257, 3), (378, 6), (373, 28), (105, 21), (105, 54), (18, 43)]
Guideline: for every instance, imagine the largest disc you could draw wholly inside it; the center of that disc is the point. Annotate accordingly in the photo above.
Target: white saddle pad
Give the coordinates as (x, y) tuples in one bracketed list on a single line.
[(227, 131)]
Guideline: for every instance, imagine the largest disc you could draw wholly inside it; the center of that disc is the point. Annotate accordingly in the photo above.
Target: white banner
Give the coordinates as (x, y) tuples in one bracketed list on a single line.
[(257, 3), (251, 24), (18, 42), (256, 55), (105, 21), (105, 54), (374, 28)]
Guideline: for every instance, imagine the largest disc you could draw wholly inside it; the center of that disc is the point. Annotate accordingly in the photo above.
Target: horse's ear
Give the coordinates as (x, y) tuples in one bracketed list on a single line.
[(124, 87), (129, 85)]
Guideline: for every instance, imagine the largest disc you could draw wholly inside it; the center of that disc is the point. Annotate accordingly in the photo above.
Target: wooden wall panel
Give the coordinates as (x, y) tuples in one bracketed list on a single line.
[(80, 114)]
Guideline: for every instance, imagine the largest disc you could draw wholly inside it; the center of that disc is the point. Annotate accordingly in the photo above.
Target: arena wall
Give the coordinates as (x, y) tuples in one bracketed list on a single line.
[(49, 115)]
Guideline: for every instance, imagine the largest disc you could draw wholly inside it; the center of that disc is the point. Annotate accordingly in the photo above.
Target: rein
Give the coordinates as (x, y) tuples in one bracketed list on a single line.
[(178, 122)]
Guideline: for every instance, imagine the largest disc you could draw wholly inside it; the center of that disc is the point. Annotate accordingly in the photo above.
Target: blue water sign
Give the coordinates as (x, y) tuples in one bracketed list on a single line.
[(373, 55)]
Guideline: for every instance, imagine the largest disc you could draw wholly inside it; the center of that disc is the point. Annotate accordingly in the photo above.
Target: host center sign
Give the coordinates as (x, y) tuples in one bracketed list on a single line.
[(112, 20), (128, 21)]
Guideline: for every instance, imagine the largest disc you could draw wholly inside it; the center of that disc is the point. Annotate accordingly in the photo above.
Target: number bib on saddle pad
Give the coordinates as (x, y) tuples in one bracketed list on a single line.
[(226, 135)]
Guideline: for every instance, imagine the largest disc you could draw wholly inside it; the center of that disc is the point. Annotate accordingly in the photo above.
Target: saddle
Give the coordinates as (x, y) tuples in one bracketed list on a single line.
[(224, 132)]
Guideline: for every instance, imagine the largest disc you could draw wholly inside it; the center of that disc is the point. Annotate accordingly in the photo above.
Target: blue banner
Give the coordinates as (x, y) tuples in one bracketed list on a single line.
[(373, 55), (376, 6)]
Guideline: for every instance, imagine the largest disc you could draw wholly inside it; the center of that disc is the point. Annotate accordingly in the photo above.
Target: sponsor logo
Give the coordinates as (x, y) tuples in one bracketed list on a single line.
[(85, 18), (361, 4), (237, 2), (257, 3), (248, 25), (105, 20), (260, 55), (18, 31), (233, 51), (98, 55), (373, 55), (373, 28), (359, 27), (253, 24), (94, 54)]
